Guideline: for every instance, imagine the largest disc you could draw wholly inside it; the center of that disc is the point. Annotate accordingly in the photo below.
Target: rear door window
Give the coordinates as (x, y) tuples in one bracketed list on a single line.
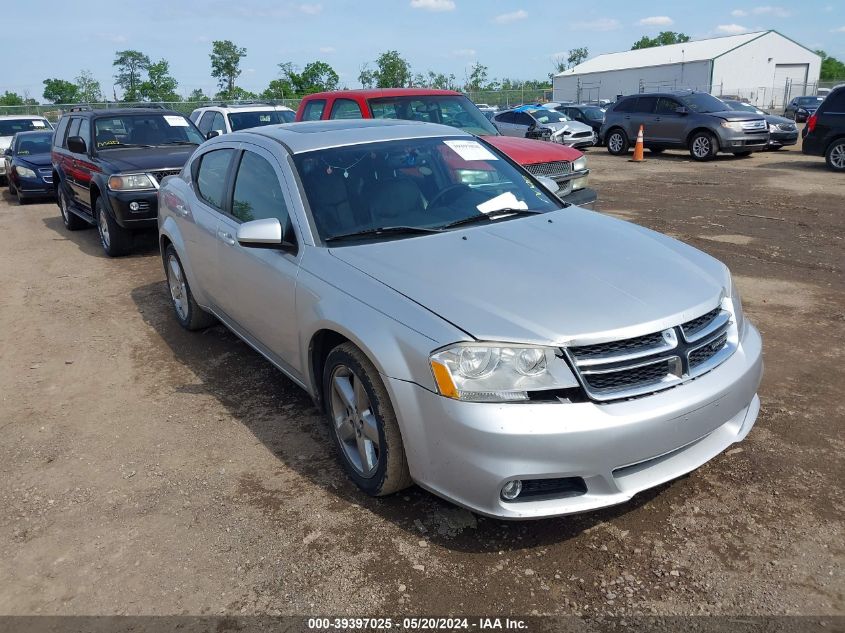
[(313, 110), (645, 105), (506, 117), (345, 109), (211, 176), (835, 102), (626, 105)]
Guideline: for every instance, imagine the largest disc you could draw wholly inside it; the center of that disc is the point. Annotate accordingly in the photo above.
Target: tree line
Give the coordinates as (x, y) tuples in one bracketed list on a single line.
[(142, 79)]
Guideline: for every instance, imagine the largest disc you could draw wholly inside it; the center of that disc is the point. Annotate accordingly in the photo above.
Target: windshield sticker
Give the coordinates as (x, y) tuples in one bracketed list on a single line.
[(264, 118), (107, 143), (505, 201), (176, 121), (471, 150), (39, 124)]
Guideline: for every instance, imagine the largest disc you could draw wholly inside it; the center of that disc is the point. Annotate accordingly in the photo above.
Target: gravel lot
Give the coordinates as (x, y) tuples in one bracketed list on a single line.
[(148, 470)]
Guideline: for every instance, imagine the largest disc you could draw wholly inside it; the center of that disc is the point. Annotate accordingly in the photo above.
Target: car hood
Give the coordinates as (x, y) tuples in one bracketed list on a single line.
[(526, 151), (777, 120), (5, 141), (39, 160), (574, 126), (737, 115), (147, 158), (564, 277)]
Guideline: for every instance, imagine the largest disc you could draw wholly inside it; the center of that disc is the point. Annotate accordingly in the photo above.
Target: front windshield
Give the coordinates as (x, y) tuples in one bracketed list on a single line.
[(548, 116), (33, 143), (702, 102), (454, 110), (10, 127), (140, 130), (809, 100), (423, 184), (244, 120)]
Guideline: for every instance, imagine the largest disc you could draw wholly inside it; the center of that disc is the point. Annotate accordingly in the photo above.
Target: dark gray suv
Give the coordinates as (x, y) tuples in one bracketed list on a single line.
[(690, 120)]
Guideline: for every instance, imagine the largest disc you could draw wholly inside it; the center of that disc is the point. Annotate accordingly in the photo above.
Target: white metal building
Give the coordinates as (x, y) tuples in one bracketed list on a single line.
[(765, 67)]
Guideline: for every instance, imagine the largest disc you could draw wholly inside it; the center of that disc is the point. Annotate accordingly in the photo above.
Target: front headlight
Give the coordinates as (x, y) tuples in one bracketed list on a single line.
[(131, 182), (736, 303), (24, 172), (490, 372), (733, 125), (580, 164), (773, 127)]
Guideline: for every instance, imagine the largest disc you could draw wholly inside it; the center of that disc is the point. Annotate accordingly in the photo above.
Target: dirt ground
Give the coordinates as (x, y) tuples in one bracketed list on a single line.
[(148, 470)]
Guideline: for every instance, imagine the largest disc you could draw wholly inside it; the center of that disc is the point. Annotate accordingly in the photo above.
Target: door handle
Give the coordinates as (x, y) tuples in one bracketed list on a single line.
[(657, 118), (226, 237)]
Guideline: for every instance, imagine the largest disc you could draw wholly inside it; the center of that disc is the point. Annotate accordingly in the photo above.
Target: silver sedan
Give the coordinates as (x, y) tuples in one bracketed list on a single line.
[(460, 326)]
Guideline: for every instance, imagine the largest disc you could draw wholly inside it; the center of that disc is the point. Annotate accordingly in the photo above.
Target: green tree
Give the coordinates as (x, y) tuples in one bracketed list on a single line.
[(60, 91), (663, 38), (832, 69), (477, 78), (278, 89), (130, 66), (441, 81), (392, 71), (577, 55), (315, 77), (88, 87), (226, 65), (11, 99), (159, 86), (197, 95), (236, 94)]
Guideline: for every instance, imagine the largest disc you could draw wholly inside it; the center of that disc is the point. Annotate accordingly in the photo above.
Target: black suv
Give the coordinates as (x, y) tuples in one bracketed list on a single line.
[(107, 166), (824, 134)]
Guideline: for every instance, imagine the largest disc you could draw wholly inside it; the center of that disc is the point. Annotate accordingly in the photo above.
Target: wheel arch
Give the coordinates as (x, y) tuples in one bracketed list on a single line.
[(702, 128)]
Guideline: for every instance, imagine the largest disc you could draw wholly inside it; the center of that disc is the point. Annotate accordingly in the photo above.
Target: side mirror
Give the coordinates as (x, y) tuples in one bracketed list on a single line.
[(212, 134), (76, 145), (8, 152), (681, 110), (266, 233), (550, 185)]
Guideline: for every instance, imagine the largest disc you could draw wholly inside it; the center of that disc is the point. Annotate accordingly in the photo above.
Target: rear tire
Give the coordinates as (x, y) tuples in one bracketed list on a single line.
[(71, 221), (702, 146), (116, 240), (835, 155), (188, 313), (617, 142), (363, 424)]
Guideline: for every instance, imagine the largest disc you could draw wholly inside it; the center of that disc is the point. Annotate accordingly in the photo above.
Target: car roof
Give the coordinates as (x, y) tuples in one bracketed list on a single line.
[(22, 116), (307, 136), (375, 93), (122, 112), (246, 107)]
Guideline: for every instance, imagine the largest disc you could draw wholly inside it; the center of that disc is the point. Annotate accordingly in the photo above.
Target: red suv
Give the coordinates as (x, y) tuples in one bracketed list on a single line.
[(565, 165)]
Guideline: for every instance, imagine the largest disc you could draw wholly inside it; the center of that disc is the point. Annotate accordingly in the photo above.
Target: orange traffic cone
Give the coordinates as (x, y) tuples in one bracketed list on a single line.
[(638, 148)]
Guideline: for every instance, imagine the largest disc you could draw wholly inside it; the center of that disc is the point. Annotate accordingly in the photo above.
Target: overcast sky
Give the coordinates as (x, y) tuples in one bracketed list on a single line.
[(515, 39)]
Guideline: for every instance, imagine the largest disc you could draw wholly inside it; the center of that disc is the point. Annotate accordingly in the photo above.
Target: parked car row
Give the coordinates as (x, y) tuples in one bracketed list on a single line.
[(705, 125)]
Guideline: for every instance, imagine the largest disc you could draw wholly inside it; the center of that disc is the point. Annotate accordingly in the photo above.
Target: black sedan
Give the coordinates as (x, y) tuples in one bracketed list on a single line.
[(591, 115), (782, 131), (28, 166), (800, 108)]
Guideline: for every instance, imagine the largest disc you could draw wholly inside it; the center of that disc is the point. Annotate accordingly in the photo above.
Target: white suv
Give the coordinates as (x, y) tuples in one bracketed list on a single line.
[(224, 119)]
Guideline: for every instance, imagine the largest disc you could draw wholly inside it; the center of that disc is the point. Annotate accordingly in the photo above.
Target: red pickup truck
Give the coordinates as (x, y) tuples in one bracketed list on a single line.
[(565, 165)]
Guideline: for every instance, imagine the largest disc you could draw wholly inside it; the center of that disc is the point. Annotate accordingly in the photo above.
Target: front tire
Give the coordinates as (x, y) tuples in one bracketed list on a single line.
[(617, 142), (71, 221), (188, 313), (116, 240), (702, 146), (363, 424), (835, 155)]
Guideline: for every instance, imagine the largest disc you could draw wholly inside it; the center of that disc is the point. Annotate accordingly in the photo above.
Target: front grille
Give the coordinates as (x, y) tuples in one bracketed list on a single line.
[(756, 125), (582, 135), (645, 364), (163, 173), (553, 169), (46, 174)]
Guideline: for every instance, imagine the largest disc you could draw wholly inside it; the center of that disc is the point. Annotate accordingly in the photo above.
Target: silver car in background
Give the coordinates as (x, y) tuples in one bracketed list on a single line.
[(522, 122), (461, 327)]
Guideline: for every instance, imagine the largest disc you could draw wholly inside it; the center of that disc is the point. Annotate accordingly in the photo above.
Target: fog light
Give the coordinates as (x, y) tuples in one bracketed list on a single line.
[(511, 490), (134, 206)]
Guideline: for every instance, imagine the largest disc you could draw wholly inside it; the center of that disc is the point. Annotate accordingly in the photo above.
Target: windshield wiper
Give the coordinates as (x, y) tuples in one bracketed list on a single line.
[(488, 217), (179, 143), (382, 230), (121, 145)]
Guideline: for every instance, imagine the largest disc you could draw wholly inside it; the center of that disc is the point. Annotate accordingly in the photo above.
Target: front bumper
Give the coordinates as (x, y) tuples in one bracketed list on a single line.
[(782, 139), (33, 187), (579, 142), (466, 452), (732, 141), (145, 217)]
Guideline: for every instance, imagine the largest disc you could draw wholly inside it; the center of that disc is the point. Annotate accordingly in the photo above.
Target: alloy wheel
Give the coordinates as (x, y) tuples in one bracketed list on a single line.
[(103, 227), (355, 421), (178, 289), (701, 146), (615, 142), (63, 208), (837, 156)]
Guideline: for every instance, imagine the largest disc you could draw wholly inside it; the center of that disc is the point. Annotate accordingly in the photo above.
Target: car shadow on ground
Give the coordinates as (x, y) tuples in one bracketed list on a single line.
[(145, 243), (284, 419), (814, 167)]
